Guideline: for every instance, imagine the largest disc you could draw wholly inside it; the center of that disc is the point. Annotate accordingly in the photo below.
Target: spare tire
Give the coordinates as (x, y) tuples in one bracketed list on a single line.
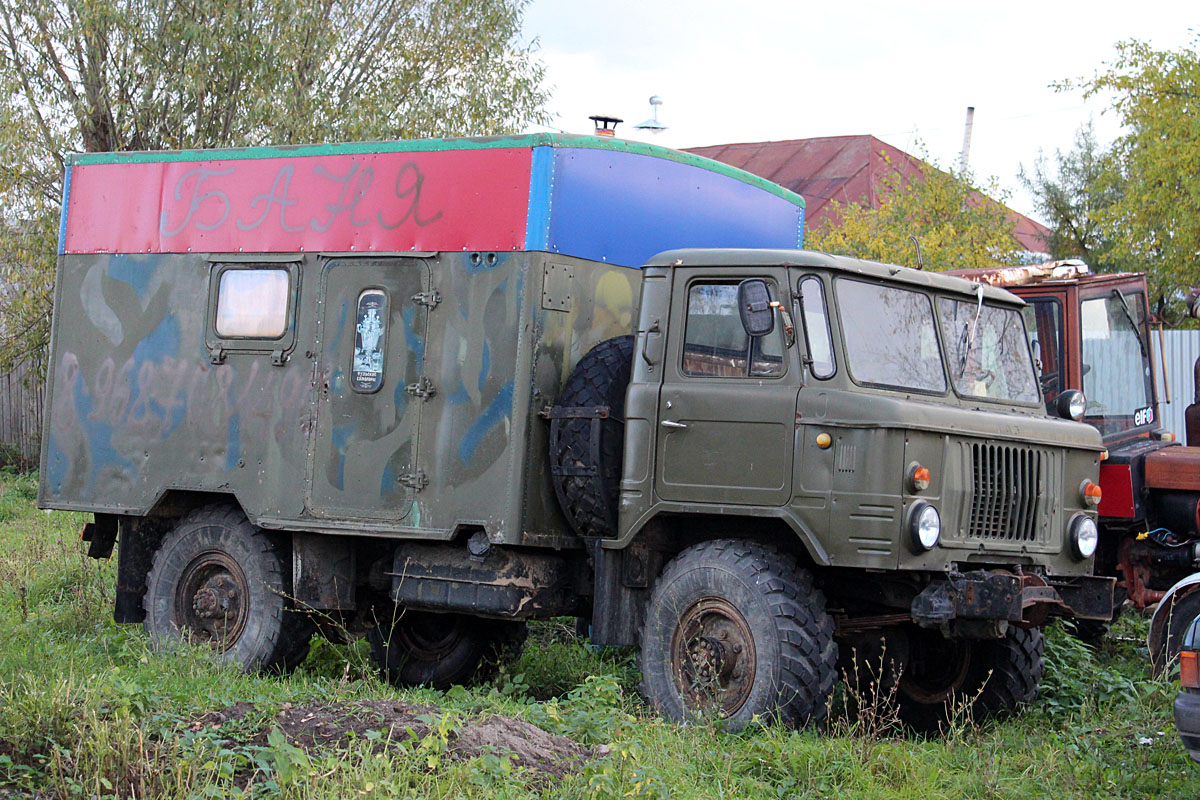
[(587, 475)]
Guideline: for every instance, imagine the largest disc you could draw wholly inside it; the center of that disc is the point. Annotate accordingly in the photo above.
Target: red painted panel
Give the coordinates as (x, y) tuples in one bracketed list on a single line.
[(449, 200), (1116, 482)]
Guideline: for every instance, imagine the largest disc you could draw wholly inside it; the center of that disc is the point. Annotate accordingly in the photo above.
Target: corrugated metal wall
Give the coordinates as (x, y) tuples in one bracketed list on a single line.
[(21, 408), (1178, 353)]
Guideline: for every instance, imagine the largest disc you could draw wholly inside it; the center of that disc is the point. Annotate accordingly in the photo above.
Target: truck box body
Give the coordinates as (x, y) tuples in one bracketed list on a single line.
[(358, 338)]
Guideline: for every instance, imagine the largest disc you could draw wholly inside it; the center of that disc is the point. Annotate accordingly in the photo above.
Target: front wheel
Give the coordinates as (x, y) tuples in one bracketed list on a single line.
[(947, 677), (218, 580), (736, 630)]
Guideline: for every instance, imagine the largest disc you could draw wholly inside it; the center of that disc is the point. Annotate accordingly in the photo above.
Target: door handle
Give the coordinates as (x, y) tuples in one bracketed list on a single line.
[(670, 423)]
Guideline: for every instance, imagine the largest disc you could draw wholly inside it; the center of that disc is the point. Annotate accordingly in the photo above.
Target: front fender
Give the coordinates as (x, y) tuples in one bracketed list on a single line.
[(1156, 637)]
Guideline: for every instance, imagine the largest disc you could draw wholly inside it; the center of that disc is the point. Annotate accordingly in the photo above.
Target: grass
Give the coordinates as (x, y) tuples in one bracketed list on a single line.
[(88, 710)]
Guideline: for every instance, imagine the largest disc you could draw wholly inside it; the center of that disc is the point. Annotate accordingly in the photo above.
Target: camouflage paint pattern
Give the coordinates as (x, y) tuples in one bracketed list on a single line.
[(139, 409)]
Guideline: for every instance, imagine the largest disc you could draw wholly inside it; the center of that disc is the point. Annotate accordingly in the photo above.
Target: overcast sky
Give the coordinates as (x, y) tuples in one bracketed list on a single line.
[(765, 70)]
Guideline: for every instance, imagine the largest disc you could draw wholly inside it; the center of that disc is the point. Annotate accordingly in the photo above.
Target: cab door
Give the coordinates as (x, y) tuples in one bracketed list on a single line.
[(727, 409), (370, 389)]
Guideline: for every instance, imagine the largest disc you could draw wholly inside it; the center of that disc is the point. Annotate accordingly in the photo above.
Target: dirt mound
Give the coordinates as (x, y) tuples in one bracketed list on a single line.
[(326, 725), (214, 719)]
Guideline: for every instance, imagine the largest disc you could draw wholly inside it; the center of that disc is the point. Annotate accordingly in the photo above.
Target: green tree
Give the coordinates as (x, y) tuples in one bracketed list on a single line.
[(1073, 193), (1155, 222), (106, 75), (955, 221)]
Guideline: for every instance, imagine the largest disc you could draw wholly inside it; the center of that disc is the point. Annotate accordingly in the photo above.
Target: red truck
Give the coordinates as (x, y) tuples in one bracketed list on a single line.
[(1091, 331)]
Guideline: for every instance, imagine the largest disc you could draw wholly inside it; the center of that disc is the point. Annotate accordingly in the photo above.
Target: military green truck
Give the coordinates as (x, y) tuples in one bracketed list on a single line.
[(427, 391)]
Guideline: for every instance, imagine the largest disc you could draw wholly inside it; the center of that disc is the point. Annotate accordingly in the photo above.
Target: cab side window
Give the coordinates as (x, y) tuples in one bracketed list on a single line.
[(715, 344), (1044, 326), (816, 327)]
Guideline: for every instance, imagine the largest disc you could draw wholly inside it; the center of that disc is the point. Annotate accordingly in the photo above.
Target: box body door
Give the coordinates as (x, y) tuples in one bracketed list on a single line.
[(370, 389)]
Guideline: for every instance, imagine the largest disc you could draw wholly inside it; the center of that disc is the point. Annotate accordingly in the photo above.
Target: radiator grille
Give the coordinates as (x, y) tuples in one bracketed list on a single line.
[(1008, 488)]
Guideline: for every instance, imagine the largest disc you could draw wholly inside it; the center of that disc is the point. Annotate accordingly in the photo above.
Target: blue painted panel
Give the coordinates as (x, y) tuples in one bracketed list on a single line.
[(622, 208), (62, 220), (541, 179)]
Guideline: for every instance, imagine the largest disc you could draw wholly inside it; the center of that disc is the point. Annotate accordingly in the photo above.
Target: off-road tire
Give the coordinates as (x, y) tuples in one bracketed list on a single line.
[(275, 636), (795, 657), (1000, 676), (599, 379), (421, 648)]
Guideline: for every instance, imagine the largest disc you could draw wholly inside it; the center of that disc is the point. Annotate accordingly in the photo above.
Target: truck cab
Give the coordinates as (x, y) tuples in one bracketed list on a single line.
[(885, 437)]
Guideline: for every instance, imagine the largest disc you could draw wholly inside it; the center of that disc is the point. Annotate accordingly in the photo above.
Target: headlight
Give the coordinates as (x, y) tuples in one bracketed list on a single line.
[(1071, 404), (924, 528), (1084, 536)]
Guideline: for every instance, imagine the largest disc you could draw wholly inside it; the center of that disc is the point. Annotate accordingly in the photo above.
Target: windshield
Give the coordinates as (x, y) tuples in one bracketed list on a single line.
[(890, 337), (989, 354), (1116, 364)]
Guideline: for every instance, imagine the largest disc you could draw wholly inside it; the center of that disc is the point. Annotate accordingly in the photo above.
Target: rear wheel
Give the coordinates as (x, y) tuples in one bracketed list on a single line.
[(420, 648), (736, 631), (943, 677), (218, 580)]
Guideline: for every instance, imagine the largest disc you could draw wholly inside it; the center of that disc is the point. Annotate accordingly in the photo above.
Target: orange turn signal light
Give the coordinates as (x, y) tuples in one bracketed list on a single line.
[(919, 478), (1189, 669), (1090, 493)]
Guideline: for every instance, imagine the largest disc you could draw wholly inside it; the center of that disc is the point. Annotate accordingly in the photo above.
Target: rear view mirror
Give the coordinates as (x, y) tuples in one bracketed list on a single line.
[(754, 306)]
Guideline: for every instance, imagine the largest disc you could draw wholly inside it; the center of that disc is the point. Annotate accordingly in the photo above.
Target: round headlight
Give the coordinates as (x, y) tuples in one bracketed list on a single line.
[(1084, 536), (925, 527), (1071, 404)]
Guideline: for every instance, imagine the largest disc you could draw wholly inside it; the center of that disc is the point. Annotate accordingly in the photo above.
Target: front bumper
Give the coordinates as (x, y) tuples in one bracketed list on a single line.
[(996, 595), (1187, 720)]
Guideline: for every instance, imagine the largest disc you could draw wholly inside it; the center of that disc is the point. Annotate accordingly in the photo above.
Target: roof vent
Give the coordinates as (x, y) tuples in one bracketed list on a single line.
[(652, 125), (603, 123)]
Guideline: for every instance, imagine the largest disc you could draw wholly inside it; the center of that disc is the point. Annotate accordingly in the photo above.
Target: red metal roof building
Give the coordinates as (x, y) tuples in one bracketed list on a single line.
[(845, 169)]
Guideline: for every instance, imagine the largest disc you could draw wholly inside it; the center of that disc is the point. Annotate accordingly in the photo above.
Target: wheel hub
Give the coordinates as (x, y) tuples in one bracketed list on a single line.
[(713, 659), (212, 601)]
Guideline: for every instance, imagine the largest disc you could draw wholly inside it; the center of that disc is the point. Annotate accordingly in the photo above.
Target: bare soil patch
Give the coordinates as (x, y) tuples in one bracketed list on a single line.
[(333, 725)]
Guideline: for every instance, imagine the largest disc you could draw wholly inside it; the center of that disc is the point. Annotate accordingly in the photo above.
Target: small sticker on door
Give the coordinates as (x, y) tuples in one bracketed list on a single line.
[(1143, 416), (366, 374)]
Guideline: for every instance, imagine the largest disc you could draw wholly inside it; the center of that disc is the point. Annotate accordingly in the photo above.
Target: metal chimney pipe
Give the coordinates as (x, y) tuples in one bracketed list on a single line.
[(966, 149)]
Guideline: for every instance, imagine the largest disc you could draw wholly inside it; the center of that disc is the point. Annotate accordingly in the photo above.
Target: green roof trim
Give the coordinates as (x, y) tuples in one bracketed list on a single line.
[(438, 145)]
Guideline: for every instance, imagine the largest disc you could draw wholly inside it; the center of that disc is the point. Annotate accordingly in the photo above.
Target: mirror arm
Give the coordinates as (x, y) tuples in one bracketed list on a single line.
[(789, 329)]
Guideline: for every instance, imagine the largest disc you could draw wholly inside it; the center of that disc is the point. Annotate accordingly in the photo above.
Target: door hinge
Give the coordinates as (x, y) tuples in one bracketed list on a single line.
[(422, 388), (279, 358), (430, 298), (216, 354), (414, 480)]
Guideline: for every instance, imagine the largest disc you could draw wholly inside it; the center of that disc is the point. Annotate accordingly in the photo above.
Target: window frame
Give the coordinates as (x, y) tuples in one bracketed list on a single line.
[(278, 346)]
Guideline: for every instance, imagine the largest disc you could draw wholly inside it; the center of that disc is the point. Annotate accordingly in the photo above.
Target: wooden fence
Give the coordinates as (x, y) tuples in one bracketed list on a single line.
[(21, 407)]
